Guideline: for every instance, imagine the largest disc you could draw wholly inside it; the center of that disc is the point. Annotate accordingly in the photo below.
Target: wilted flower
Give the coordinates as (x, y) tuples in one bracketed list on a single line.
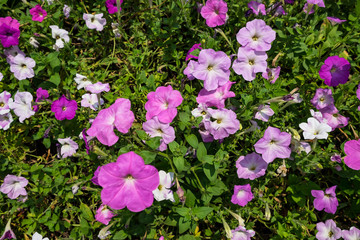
[(320, 3), (163, 191), (41, 94), (242, 195), (8, 233), (334, 20), (352, 151), (314, 129), (240, 233), (12, 52), (94, 179), (68, 147), (9, 32), (104, 215), (272, 74), (257, 8), (66, 11), (251, 166), (328, 230), (38, 13), (22, 105), (14, 186), (33, 42), (112, 6), (336, 158), (335, 71), (95, 21), (22, 67), (214, 12), (64, 108)]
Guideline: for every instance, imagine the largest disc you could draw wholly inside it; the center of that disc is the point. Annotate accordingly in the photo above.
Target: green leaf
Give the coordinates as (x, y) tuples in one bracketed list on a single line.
[(210, 172), (86, 212), (192, 140), (183, 225), (182, 211), (201, 151), (202, 212), (174, 147), (54, 61), (121, 235), (47, 142), (148, 156), (142, 134), (55, 79), (154, 143), (179, 163)]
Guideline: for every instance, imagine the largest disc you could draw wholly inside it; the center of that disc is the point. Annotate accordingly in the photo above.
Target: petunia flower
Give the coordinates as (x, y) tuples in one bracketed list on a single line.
[(335, 120), (38, 236), (217, 97), (112, 6), (12, 52), (251, 166), (98, 87), (33, 42), (214, 12), (193, 48), (249, 62), (320, 3), (14, 186), (60, 35), (224, 123), (91, 101), (94, 179), (68, 147), (155, 128), (242, 195), (336, 158), (64, 108), (314, 129), (241, 233), (38, 13), (81, 81), (188, 71), (22, 105), (41, 94), (128, 182), (8, 233), (352, 151), (264, 113), (104, 215), (163, 191), (66, 11), (308, 8), (95, 21), (162, 103), (271, 74), (257, 7), (352, 234), (334, 20), (205, 133), (328, 230), (326, 201), (213, 68), (118, 115), (4, 102), (323, 99), (201, 111), (22, 67), (5, 121), (335, 71), (9, 32)]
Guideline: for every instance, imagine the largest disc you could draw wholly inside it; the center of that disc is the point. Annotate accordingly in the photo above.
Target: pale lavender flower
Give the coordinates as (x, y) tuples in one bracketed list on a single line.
[(216, 98), (249, 62), (5, 121), (22, 67), (242, 195), (326, 201), (14, 186), (257, 8), (22, 105), (66, 11), (224, 123), (33, 42), (163, 191), (336, 158), (323, 99), (328, 230), (4, 102), (240, 233), (256, 35), (188, 71), (60, 35), (272, 74), (274, 144), (8, 233), (213, 68), (201, 111), (81, 81), (264, 113), (352, 234), (318, 116), (104, 215), (12, 52), (91, 101), (98, 87), (38, 236), (155, 128), (314, 129), (95, 21), (68, 147), (251, 166), (335, 120), (334, 20)]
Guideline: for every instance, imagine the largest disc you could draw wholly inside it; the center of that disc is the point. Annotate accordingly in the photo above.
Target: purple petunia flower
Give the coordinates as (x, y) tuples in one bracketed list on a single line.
[(216, 98), (242, 195), (66, 11), (9, 32), (12, 52), (272, 74), (257, 8), (251, 166), (249, 62), (352, 234), (224, 123), (112, 6), (64, 108), (155, 128), (22, 67), (320, 3), (193, 48), (214, 12), (22, 105), (325, 201), (289, 1), (95, 21), (241, 233), (213, 68), (4, 102), (328, 230), (323, 99), (38, 13), (68, 147), (335, 120), (14, 186), (274, 144), (104, 215), (5, 120), (256, 35), (308, 8), (334, 20), (264, 113), (352, 151), (8, 233), (335, 71), (189, 70), (41, 94), (98, 87), (336, 158)]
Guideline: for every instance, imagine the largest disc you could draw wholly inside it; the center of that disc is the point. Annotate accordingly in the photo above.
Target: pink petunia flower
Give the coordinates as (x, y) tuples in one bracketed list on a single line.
[(328, 230), (274, 144), (249, 62), (326, 201), (214, 12), (188, 71), (223, 124), (128, 182), (38, 13), (242, 195), (64, 108), (98, 87), (9, 32), (14, 186), (335, 120), (4, 102), (352, 234), (112, 6), (216, 98), (162, 103), (257, 8), (118, 115), (352, 151), (320, 3), (241, 233), (104, 215), (272, 74), (323, 99), (193, 48), (264, 113), (335, 71), (334, 20), (251, 166), (155, 128)]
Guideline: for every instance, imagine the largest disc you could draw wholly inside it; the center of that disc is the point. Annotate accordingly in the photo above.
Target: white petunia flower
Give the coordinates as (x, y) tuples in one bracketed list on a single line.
[(60, 35), (163, 191), (315, 129), (38, 236), (95, 21)]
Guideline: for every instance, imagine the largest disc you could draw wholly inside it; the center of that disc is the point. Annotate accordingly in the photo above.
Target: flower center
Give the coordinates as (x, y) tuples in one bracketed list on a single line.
[(255, 38), (64, 108), (333, 69), (251, 62), (203, 113), (92, 19), (2, 104), (160, 187), (57, 36), (272, 142), (218, 121), (160, 131), (316, 132), (129, 177), (23, 65), (210, 67), (331, 233), (252, 168), (336, 115), (322, 99)]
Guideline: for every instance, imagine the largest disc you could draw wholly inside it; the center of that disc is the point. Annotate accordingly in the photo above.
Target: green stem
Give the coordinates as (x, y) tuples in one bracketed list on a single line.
[(198, 180)]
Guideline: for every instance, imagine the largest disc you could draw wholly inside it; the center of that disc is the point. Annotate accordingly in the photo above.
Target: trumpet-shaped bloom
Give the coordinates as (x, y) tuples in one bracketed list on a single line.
[(60, 35), (64, 108), (188, 71), (128, 182), (38, 13), (155, 128), (224, 123), (242, 195), (8, 233), (91, 101), (214, 12), (213, 68), (326, 201), (249, 62), (14, 186), (335, 71), (118, 115), (274, 144), (328, 230), (314, 129), (240, 233), (264, 113), (112, 6), (95, 21), (81, 81), (12, 52), (4, 102), (334, 20), (352, 234), (201, 111), (216, 98), (98, 87), (68, 147), (320, 3), (22, 67), (257, 8), (256, 35), (272, 74), (352, 151), (162, 103), (335, 120), (323, 99), (163, 192), (22, 105), (5, 120), (251, 166), (9, 32), (104, 215)]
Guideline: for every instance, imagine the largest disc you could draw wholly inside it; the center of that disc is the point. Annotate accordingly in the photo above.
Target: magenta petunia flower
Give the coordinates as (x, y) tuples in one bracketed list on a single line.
[(249, 62), (38, 13), (335, 71), (323, 99), (193, 48), (4, 102), (216, 98), (257, 8), (155, 128), (118, 115), (264, 113), (274, 144), (241, 233), (22, 67), (352, 151), (64, 108), (41, 94), (328, 230), (326, 201), (214, 12), (256, 35), (251, 166), (14, 186), (162, 103), (352, 234), (112, 6), (334, 20), (242, 195), (224, 123), (104, 215), (128, 182), (9, 32), (272, 74)]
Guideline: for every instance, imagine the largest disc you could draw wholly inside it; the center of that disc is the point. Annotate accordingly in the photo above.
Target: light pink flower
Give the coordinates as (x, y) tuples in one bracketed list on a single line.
[(214, 12), (242, 195), (249, 62), (98, 87), (104, 215), (216, 98), (326, 201), (352, 151), (264, 113), (14, 186), (223, 124), (95, 21), (251, 166), (155, 128)]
